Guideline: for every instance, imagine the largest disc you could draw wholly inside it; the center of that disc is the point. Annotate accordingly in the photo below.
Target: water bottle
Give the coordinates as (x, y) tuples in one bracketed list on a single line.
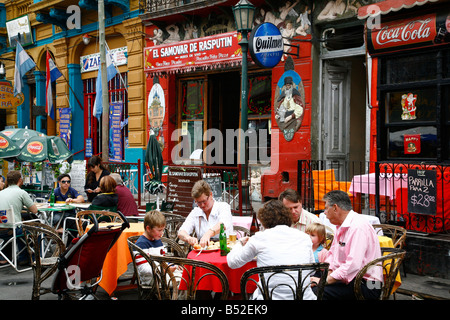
[(223, 241)]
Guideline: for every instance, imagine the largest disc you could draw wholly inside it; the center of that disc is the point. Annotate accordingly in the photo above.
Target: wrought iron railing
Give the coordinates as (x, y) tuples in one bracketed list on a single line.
[(131, 174), (379, 189)]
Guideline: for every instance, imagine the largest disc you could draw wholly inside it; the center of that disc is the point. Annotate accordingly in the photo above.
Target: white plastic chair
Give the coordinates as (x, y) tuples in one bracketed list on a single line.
[(7, 216)]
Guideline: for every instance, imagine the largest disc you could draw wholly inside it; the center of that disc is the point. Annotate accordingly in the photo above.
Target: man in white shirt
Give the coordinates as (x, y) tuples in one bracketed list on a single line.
[(206, 218), (300, 217)]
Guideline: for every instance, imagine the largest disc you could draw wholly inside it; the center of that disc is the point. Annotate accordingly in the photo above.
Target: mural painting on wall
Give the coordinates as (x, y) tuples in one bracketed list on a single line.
[(156, 110), (336, 9), (289, 101)]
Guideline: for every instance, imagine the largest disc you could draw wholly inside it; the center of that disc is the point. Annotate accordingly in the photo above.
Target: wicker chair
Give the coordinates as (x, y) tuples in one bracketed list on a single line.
[(102, 216), (390, 261), (396, 233), (39, 237), (146, 291), (241, 231), (290, 283), (165, 283)]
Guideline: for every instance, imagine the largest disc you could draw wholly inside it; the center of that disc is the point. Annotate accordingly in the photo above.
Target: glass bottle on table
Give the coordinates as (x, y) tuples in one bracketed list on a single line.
[(52, 198), (223, 241), (254, 226)]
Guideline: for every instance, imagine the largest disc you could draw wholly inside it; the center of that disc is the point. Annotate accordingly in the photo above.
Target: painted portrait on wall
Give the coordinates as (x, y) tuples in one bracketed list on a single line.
[(156, 110), (289, 103)]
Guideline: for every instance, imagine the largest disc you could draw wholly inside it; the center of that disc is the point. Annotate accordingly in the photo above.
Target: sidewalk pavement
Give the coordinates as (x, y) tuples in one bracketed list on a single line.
[(18, 286)]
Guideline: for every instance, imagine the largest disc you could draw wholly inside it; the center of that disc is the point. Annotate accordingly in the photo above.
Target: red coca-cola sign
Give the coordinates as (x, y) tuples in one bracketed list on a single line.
[(407, 33), (3, 143), (35, 147)]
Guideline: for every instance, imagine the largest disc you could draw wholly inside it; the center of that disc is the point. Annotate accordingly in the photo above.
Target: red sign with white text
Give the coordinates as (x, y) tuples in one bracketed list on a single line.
[(409, 33), (214, 50)]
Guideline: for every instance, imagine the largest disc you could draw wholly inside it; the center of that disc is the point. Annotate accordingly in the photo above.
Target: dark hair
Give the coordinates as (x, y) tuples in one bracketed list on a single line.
[(274, 213), (64, 175), (13, 177), (107, 184), (290, 195), (340, 198), (92, 162)]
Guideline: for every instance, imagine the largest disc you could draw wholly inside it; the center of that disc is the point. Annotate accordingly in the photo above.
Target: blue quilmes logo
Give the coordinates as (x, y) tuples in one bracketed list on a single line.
[(266, 45)]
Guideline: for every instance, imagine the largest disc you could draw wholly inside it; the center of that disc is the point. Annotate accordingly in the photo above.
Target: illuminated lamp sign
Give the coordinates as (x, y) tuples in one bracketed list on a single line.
[(266, 45)]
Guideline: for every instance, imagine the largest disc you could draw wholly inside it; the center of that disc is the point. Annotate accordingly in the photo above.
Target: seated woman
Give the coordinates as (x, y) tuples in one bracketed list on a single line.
[(108, 196), (278, 244)]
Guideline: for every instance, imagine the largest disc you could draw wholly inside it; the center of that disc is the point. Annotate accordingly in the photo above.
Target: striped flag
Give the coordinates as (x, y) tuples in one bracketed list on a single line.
[(52, 73), (23, 64), (111, 71)]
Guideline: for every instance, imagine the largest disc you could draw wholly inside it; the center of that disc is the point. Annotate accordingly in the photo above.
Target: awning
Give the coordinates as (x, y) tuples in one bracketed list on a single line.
[(387, 6)]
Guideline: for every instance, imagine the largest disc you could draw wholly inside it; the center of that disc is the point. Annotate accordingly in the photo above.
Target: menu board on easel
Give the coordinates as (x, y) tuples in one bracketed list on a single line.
[(422, 191), (180, 181)]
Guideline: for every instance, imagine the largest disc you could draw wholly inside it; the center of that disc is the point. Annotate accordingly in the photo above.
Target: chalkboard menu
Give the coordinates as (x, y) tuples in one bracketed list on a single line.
[(216, 187), (180, 181), (422, 191)]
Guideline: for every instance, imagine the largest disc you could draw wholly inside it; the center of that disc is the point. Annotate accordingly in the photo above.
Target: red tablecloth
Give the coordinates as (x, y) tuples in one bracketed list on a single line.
[(212, 283)]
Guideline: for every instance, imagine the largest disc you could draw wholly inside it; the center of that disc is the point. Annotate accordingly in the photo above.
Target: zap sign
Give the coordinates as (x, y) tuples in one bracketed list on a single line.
[(266, 45), (35, 147)]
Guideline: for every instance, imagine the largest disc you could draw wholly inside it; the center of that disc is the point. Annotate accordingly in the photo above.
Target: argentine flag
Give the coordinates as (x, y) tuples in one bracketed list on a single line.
[(111, 71), (23, 64), (52, 73)]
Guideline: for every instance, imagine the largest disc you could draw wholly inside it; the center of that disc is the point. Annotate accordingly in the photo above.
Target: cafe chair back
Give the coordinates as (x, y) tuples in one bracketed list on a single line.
[(145, 289), (100, 215), (16, 241), (80, 266), (396, 233), (39, 238), (170, 272), (101, 208), (390, 262), (284, 282), (241, 232)]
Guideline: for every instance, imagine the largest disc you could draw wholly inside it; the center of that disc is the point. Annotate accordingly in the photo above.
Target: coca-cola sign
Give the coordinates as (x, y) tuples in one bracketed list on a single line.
[(35, 147), (408, 33)]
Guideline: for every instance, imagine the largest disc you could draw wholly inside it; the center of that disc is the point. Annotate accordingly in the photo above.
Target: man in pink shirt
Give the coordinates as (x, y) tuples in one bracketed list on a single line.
[(355, 244)]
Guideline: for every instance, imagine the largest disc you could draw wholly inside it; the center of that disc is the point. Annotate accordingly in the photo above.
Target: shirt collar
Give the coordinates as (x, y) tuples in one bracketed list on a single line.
[(200, 213), (348, 220)]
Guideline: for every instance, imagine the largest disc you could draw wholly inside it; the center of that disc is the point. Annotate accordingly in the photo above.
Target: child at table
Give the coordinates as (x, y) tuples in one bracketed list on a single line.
[(150, 242), (318, 235)]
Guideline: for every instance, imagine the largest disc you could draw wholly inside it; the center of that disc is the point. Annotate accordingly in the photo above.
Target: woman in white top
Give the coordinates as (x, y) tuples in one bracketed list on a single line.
[(278, 244), (206, 218)]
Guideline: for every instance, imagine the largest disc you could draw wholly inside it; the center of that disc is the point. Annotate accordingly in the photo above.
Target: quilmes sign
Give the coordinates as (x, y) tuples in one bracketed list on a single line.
[(266, 45)]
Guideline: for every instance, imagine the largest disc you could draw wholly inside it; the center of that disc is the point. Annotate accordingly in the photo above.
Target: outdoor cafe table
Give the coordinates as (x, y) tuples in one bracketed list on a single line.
[(46, 211), (212, 283), (118, 257)]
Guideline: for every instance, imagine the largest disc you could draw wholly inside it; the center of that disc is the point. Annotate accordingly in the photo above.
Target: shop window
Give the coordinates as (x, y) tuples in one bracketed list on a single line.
[(192, 114), (415, 106), (117, 89), (259, 114)]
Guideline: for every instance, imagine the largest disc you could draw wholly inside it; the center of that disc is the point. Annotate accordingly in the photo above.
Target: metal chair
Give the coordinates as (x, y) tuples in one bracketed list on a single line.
[(145, 290), (7, 217), (166, 283), (286, 282), (390, 262), (44, 264)]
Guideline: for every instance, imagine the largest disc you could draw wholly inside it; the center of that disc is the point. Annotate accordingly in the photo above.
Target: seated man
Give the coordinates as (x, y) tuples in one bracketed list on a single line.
[(300, 217), (69, 195), (206, 218), (127, 204), (354, 245), (14, 196)]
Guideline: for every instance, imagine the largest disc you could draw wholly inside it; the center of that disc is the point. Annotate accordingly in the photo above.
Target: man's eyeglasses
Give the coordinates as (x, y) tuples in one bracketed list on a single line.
[(65, 181), (200, 203)]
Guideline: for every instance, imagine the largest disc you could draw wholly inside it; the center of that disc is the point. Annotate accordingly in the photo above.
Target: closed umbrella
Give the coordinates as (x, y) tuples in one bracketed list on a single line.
[(153, 157)]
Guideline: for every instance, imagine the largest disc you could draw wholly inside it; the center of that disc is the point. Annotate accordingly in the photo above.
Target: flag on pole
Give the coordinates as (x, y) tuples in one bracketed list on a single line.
[(23, 64), (111, 71), (52, 73)]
